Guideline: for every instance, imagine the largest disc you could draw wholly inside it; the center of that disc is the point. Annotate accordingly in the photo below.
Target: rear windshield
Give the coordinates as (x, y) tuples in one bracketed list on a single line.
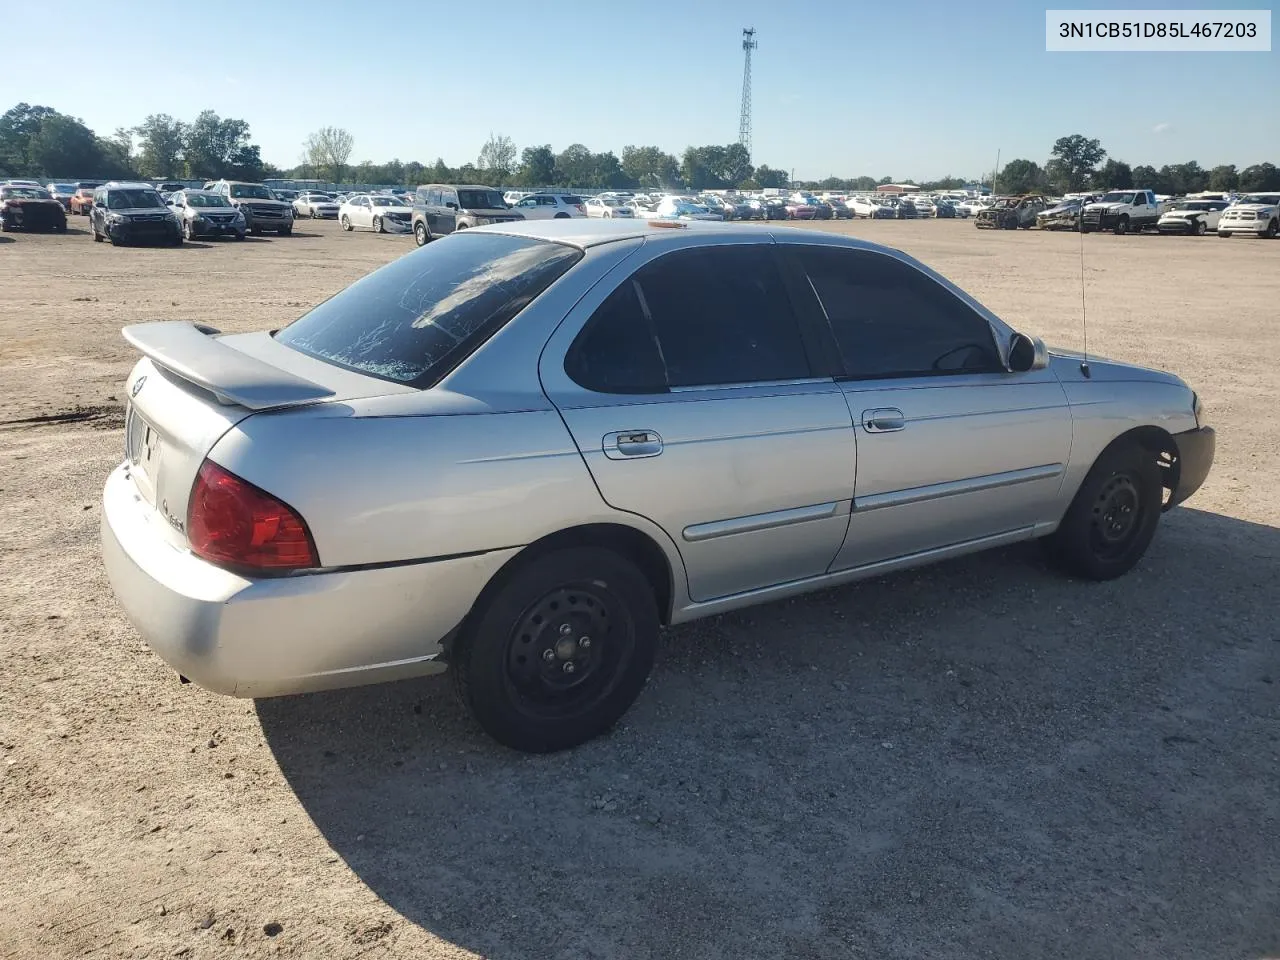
[(250, 191), (570, 199), (481, 200), (417, 318)]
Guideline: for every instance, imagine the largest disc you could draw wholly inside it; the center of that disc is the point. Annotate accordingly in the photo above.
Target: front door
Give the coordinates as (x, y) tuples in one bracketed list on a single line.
[(447, 212), (694, 394), (952, 446)]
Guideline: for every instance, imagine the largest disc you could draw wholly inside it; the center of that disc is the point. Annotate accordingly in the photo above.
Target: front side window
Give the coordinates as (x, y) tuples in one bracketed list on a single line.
[(892, 320), (704, 317), (415, 319)]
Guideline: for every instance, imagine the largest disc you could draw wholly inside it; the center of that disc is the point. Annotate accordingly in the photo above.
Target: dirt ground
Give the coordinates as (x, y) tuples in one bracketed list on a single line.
[(979, 759)]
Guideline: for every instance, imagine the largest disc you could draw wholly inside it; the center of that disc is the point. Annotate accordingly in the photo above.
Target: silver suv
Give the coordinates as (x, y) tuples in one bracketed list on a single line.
[(261, 208)]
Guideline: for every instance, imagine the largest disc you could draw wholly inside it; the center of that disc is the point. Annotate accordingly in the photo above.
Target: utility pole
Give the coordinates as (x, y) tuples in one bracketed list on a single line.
[(995, 173)]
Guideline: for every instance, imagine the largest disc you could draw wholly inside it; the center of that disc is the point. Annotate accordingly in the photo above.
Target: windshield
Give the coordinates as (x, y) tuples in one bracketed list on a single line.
[(132, 199), (385, 202), (207, 200), (1118, 198), (250, 191), (25, 193), (419, 316), (481, 200), (64, 187)]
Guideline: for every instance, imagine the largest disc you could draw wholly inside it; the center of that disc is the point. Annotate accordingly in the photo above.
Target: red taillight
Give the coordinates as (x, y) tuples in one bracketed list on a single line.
[(232, 523)]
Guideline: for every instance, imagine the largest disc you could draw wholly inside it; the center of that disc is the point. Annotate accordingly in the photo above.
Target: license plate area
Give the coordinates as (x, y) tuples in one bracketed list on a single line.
[(142, 453)]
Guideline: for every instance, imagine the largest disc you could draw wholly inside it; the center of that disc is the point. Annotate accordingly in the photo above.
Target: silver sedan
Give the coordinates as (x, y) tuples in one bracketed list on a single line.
[(521, 450)]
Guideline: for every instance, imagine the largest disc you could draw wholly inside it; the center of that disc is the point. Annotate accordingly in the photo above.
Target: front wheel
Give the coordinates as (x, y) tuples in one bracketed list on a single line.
[(1272, 229), (97, 237), (420, 234), (1122, 226), (560, 651), (1201, 228), (187, 232), (1223, 234), (561, 216), (377, 225), (1113, 517), (285, 231), (346, 223)]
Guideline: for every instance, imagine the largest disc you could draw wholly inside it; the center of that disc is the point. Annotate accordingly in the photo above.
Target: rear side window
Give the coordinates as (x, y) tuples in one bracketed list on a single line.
[(704, 317), (892, 320), (571, 199), (417, 318)]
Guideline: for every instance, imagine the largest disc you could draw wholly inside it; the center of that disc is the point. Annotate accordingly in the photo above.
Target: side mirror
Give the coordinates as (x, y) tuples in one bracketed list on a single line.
[(451, 205), (1027, 353)]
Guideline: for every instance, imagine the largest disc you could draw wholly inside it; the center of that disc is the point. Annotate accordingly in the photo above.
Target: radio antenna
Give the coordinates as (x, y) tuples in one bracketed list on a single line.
[(1084, 312)]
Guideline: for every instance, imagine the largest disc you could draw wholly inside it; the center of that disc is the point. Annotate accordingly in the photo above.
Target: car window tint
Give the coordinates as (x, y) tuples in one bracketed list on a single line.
[(616, 352), (892, 320), (415, 319)]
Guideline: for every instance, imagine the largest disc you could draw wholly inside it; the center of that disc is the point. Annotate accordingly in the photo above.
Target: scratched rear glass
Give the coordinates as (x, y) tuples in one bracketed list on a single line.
[(418, 317)]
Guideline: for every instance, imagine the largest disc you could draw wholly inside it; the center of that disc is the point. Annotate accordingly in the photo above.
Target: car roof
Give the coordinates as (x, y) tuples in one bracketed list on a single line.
[(584, 232), (125, 185)]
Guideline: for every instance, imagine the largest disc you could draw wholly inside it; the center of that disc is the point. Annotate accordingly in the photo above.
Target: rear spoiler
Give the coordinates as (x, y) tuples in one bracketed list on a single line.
[(190, 351)]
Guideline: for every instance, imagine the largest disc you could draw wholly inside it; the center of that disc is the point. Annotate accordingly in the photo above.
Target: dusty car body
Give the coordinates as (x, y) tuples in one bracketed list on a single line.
[(1254, 213), (202, 213), (513, 453), (1062, 216), (30, 208), (81, 201), (1010, 213)]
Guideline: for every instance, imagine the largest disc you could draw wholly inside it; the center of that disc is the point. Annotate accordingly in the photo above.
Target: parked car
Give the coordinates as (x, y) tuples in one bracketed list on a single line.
[(288, 196), (62, 192), (924, 206), (166, 187), (1196, 217), (727, 209), (125, 212), (608, 208), (1121, 211), (870, 209), (768, 208), (684, 208), (376, 212), (319, 206), (944, 209), (1255, 213), (550, 206), (30, 208), (971, 208), (262, 211), (441, 208), (800, 210), (521, 451), (1011, 213), (905, 208), (202, 213), (81, 201), (1061, 216)]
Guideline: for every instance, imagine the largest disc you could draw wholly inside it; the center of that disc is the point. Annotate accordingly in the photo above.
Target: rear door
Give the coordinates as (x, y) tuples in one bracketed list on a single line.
[(447, 218), (952, 447), (699, 400)]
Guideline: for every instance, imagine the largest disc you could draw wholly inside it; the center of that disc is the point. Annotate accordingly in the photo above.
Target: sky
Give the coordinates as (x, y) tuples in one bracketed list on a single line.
[(908, 89)]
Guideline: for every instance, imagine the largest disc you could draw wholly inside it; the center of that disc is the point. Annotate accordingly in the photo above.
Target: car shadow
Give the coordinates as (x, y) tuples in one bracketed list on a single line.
[(965, 759), (4, 239)]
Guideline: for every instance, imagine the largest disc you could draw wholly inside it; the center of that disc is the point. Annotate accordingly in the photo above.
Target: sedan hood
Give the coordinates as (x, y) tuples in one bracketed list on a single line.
[(1066, 364)]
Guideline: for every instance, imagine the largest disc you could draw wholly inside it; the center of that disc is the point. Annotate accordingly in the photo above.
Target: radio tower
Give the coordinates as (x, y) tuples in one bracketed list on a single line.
[(744, 117)]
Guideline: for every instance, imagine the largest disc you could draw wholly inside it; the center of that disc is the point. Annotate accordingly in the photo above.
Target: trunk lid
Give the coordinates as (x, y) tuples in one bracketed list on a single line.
[(192, 386)]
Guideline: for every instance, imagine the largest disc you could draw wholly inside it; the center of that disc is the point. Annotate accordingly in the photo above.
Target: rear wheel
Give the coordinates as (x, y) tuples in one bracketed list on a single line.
[(560, 650), (561, 216), (1113, 517), (1272, 229)]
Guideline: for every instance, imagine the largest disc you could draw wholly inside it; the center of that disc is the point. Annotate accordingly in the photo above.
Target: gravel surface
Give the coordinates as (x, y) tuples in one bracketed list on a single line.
[(979, 759)]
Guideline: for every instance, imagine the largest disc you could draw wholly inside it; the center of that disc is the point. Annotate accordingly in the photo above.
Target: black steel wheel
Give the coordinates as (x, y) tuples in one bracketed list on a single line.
[(559, 651), (1113, 517)]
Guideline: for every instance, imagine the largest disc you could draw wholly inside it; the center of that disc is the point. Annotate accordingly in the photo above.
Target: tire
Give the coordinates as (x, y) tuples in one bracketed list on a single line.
[(534, 701), (1272, 229), (1122, 226), (1223, 234), (561, 216), (1201, 228), (377, 225), (240, 237), (285, 231), (187, 231), (420, 234), (256, 231), (1113, 517), (346, 223), (61, 228)]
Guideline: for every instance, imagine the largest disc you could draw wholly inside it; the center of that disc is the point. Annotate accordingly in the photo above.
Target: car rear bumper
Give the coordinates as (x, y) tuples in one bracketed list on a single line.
[(1195, 457), (273, 636)]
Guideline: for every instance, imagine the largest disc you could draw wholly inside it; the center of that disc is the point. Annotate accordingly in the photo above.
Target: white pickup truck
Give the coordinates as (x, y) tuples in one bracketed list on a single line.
[(1122, 211), (1254, 213)]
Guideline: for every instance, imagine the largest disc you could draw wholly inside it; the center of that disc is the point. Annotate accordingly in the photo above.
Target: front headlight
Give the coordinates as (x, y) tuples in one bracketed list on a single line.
[(115, 218), (199, 217)]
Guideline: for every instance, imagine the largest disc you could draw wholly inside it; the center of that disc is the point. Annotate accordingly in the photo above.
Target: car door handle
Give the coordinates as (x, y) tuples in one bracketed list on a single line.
[(632, 444), (883, 420)]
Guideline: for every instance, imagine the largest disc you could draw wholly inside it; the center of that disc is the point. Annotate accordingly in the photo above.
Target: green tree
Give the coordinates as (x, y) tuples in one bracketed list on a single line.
[(414, 173), (63, 147), (160, 152), (1113, 174), (497, 159), (439, 172), (1073, 161), (1146, 177), (1185, 177), (1021, 176), (537, 167), (212, 145), (1224, 177), (650, 166), (328, 149), (576, 166), (1260, 176), (770, 179), (18, 126), (735, 165)]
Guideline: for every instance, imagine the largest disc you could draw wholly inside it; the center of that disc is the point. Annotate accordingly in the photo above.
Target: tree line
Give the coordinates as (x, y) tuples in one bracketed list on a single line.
[(1077, 163), (40, 142)]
